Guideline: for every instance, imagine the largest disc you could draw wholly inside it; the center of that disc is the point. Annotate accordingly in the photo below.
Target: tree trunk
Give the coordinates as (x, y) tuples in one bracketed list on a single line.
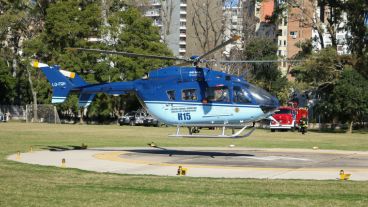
[(350, 130), (81, 113), (34, 97), (35, 108), (15, 66)]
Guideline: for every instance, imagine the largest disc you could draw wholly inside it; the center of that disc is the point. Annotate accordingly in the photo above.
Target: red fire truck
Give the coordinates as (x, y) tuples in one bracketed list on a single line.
[(288, 118)]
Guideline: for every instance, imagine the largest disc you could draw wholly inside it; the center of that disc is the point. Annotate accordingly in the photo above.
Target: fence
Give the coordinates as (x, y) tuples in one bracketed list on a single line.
[(46, 113), (15, 112)]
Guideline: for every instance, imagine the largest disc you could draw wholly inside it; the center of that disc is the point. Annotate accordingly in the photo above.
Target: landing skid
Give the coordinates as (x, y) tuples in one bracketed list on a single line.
[(236, 135)]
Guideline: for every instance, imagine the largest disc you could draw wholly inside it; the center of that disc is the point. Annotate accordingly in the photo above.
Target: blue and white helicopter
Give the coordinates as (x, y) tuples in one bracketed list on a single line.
[(178, 95)]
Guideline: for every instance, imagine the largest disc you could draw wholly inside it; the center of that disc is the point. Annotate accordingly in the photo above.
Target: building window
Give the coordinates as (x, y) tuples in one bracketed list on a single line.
[(284, 42), (294, 34)]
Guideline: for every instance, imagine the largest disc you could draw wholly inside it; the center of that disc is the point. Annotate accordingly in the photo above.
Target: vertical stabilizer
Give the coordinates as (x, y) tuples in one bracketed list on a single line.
[(60, 80)]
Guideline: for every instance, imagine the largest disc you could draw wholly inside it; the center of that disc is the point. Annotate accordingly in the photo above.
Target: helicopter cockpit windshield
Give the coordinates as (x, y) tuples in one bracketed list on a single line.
[(241, 96), (266, 101)]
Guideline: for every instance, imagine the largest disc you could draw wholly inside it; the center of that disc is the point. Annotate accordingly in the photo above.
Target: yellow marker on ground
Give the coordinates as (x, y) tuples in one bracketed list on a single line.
[(152, 144), (344, 176), (63, 163), (182, 171), (30, 149), (18, 155)]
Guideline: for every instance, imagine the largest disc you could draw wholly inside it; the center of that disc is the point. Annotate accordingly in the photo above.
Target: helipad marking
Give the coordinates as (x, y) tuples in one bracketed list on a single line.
[(115, 156), (273, 158)]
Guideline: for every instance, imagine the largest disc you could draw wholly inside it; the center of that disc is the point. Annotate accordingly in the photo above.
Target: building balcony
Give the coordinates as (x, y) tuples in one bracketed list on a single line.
[(183, 27), (183, 4), (156, 3), (183, 12), (183, 20), (182, 35), (182, 43), (152, 14), (157, 23), (182, 50)]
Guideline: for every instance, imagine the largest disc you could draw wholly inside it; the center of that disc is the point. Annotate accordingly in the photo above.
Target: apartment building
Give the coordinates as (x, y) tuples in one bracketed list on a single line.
[(233, 21), (263, 10), (301, 18), (188, 27), (170, 17), (322, 13)]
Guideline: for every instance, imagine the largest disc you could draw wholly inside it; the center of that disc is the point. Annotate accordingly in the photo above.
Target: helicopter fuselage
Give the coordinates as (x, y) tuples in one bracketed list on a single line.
[(195, 96)]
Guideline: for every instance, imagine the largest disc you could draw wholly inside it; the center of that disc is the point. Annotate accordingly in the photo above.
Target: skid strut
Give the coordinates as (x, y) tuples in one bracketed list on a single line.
[(238, 134)]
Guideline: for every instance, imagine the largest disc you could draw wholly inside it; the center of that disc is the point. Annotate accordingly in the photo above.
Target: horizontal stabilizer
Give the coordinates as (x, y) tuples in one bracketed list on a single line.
[(85, 100), (58, 99)]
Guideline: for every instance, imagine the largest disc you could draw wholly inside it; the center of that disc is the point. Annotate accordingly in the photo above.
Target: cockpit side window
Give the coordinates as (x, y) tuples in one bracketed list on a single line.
[(218, 94), (171, 95), (240, 96), (189, 95)]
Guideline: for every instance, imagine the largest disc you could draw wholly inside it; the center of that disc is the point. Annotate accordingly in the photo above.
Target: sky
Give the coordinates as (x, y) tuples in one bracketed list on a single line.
[(231, 3)]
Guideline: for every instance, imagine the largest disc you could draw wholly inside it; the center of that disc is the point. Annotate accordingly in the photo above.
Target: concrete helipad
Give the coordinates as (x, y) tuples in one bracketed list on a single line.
[(208, 162)]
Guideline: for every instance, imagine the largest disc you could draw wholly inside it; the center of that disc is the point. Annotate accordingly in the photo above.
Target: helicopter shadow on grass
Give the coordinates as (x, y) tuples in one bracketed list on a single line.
[(63, 148)]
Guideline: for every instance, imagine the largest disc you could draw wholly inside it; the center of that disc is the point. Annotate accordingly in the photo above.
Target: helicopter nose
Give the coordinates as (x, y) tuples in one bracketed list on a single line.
[(265, 100), (269, 108)]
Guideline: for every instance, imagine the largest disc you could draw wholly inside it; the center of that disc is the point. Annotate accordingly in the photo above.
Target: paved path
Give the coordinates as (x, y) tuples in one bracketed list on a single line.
[(209, 162)]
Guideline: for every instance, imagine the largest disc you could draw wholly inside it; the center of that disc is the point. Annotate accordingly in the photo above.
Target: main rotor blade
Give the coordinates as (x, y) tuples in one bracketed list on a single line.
[(128, 54), (232, 39), (258, 61)]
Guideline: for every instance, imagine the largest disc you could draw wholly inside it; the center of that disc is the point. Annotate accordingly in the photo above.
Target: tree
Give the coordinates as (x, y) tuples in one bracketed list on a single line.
[(320, 68), (7, 84), (349, 98), (266, 75), (80, 21), (207, 24), (19, 22), (137, 36), (357, 15)]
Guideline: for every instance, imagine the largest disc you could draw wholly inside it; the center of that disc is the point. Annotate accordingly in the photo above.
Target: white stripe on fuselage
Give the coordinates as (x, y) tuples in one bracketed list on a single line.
[(195, 112)]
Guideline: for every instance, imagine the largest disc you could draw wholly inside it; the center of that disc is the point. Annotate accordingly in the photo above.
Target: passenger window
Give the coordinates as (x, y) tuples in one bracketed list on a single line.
[(218, 94), (171, 95), (240, 96), (189, 95)]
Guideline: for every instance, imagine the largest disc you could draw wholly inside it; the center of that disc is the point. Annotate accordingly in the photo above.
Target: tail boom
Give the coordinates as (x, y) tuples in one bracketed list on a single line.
[(64, 82)]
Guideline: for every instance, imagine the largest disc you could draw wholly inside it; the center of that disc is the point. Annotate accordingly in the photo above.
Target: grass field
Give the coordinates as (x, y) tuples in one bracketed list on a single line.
[(30, 185)]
